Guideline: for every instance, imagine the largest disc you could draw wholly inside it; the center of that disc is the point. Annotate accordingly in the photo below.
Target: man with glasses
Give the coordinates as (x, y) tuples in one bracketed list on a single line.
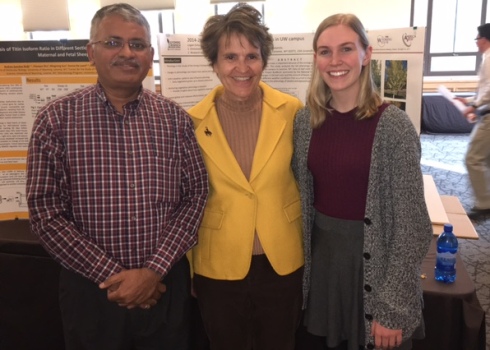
[(116, 188), (478, 153)]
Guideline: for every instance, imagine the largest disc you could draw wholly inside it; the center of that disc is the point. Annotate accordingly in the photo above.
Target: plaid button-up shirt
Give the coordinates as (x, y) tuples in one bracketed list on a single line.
[(109, 191)]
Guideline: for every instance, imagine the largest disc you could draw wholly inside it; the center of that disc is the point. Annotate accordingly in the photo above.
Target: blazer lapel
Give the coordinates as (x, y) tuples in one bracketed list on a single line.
[(214, 145), (272, 127)]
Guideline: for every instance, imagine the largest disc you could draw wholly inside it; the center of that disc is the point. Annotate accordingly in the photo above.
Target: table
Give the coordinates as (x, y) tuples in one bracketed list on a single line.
[(454, 319), (30, 317), (29, 312)]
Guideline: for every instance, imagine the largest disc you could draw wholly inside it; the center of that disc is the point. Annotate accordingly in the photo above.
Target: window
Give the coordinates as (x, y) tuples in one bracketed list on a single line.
[(51, 35), (450, 31), (160, 22)]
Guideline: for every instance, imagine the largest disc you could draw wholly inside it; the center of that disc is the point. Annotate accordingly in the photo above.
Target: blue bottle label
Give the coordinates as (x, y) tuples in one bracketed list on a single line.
[(446, 259)]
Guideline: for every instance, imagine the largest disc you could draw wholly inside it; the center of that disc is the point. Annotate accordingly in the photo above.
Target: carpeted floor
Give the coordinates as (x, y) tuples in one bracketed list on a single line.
[(443, 158)]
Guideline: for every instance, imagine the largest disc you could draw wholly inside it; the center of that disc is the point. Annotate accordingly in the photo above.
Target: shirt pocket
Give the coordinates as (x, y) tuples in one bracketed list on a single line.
[(166, 179)]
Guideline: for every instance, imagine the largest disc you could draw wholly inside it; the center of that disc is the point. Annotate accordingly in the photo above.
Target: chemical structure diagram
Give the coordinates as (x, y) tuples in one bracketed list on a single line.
[(16, 198)]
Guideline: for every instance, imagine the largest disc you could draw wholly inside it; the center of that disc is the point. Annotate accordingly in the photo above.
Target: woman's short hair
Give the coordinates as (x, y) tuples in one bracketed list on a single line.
[(242, 19), (319, 94)]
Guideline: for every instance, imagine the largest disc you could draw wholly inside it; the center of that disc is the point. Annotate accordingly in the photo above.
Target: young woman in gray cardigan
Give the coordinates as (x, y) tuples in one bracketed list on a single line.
[(365, 221)]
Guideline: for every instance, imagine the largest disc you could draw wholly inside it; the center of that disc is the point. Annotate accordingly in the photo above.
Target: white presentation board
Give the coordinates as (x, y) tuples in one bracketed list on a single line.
[(187, 77), (397, 62), (33, 73)]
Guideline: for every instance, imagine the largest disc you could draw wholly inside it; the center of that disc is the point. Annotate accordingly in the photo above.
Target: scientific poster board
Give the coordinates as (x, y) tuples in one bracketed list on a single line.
[(33, 73), (397, 64), (187, 77)]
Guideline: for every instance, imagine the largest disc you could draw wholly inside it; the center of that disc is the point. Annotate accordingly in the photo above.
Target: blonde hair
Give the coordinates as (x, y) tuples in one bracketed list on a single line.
[(319, 94)]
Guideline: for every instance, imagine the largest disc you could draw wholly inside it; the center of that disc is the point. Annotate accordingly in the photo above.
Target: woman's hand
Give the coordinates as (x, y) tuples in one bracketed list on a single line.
[(385, 338)]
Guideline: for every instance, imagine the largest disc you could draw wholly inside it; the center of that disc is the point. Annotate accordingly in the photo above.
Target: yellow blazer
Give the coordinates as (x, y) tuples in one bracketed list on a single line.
[(268, 202)]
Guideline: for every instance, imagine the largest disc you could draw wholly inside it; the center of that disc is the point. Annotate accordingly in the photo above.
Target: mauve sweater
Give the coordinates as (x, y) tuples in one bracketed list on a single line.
[(341, 166)]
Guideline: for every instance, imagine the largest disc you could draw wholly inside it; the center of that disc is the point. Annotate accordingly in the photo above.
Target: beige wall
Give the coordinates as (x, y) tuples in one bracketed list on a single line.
[(282, 16), (302, 16)]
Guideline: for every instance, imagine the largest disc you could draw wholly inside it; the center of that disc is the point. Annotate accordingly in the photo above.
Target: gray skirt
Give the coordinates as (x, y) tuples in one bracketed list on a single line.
[(335, 302), (335, 307)]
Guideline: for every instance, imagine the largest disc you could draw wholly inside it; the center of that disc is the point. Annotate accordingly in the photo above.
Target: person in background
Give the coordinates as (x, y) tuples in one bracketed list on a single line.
[(248, 262), (478, 153), (366, 225), (116, 187)]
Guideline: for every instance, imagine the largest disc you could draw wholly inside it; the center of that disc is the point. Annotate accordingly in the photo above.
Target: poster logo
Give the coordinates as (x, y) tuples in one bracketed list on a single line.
[(408, 39), (173, 44), (383, 40)]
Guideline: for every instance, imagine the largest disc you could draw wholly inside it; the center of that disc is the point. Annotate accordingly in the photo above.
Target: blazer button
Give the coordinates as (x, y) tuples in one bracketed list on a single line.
[(369, 317), (370, 346), (366, 256), (367, 221), (367, 288)]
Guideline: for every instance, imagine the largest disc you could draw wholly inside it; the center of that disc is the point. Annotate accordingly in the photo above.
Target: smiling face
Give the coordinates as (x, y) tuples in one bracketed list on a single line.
[(239, 66), (339, 59), (120, 68)]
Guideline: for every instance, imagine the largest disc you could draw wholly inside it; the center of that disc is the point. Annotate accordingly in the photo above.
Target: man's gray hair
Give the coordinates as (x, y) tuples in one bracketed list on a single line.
[(126, 11)]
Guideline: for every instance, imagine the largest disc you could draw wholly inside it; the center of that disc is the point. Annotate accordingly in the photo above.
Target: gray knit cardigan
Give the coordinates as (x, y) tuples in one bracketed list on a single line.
[(397, 227)]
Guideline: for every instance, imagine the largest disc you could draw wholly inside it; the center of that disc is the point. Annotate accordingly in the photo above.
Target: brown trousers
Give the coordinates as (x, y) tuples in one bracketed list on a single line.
[(260, 312)]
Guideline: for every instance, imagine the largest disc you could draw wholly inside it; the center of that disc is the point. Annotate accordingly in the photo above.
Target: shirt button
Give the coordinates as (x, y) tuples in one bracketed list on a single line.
[(132, 185)]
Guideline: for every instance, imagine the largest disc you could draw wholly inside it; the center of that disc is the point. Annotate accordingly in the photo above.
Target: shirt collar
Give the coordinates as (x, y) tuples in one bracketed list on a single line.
[(99, 90)]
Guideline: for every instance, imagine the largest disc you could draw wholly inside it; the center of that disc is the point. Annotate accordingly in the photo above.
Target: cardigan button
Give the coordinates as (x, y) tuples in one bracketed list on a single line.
[(370, 346), (367, 288), (368, 317), (367, 221), (366, 256)]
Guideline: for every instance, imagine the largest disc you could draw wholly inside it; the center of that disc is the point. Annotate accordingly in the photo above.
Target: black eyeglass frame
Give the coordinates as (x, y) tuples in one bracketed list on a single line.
[(136, 45)]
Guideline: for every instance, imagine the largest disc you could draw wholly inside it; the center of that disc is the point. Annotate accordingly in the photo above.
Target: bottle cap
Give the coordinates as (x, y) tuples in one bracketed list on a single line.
[(448, 228)]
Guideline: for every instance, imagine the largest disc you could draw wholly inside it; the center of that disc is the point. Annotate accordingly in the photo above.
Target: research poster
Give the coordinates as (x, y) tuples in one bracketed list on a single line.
[(397, 64), (32, 73), (187, 77)]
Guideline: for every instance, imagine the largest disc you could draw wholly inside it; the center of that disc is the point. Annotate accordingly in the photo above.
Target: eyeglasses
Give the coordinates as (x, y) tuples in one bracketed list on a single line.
[(118, 44)]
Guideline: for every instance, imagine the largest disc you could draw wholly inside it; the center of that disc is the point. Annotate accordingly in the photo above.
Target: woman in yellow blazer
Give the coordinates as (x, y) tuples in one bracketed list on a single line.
[(249, 257)]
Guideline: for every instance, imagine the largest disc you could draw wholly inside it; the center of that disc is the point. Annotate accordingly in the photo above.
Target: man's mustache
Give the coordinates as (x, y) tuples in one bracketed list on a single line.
[(126, 62)]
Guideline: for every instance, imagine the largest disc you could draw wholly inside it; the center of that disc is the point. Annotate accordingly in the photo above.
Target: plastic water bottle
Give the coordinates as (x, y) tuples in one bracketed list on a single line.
[(447, 247)]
